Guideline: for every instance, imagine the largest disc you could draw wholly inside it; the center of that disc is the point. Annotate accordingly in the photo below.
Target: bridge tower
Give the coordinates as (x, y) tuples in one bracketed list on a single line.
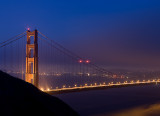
[(31, 74)]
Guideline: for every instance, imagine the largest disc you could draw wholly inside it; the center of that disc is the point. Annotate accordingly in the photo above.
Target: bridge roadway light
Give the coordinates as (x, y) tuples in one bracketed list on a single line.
[(64, 86), (132, 81)]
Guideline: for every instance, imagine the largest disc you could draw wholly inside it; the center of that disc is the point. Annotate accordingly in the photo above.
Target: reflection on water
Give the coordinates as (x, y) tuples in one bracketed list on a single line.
[(145, 110)]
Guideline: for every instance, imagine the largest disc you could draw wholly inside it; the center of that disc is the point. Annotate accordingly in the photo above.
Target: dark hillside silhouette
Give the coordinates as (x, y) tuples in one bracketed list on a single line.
[(18, 97)]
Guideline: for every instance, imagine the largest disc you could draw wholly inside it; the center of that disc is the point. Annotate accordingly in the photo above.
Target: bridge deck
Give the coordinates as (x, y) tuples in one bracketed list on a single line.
[(96, 87)]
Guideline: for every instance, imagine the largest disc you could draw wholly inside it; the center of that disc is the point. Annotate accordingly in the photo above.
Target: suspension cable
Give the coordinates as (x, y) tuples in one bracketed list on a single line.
[(12, 38), (74, 55), (55, 47), (61, 46), (12, 41)]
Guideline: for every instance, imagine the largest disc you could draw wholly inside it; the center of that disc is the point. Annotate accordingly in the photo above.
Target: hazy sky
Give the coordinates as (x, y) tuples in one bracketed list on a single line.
[(109, 32)]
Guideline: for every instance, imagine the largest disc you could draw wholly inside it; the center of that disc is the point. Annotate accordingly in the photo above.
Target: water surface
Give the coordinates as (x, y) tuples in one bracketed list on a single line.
[(114, 101)]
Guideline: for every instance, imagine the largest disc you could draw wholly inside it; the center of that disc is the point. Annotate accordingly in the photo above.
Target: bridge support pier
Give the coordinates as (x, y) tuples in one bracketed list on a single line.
[(31, 74)]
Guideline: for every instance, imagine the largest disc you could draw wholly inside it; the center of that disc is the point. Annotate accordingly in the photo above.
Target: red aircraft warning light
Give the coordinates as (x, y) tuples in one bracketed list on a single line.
[(80, 61), (28, 29), (87, 61)]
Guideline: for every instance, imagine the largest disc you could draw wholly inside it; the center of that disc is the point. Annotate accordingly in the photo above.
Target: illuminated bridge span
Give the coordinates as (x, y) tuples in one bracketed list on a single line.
[(37, 59), (100, 86)]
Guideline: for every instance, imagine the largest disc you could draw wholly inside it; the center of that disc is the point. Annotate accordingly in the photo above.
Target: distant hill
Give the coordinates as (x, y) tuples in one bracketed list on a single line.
[(18, 97)]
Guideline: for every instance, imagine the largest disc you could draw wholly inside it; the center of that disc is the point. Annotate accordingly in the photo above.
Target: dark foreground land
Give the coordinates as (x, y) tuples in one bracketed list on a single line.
[(18, 98)]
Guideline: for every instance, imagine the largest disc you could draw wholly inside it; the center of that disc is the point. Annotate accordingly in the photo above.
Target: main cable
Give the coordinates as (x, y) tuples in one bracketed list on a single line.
[(69, 53), (12, 38), (12, 41), (61, 46)]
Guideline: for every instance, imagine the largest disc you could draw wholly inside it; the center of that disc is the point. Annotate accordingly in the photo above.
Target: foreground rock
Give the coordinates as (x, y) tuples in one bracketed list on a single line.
[(20, 98)]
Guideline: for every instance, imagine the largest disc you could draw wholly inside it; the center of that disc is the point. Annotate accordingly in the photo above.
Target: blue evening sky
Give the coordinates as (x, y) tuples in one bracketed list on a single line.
[(109, 32)]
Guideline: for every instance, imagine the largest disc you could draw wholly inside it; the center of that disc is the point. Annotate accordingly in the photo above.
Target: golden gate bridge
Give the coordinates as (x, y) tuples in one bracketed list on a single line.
[(37, 59)]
